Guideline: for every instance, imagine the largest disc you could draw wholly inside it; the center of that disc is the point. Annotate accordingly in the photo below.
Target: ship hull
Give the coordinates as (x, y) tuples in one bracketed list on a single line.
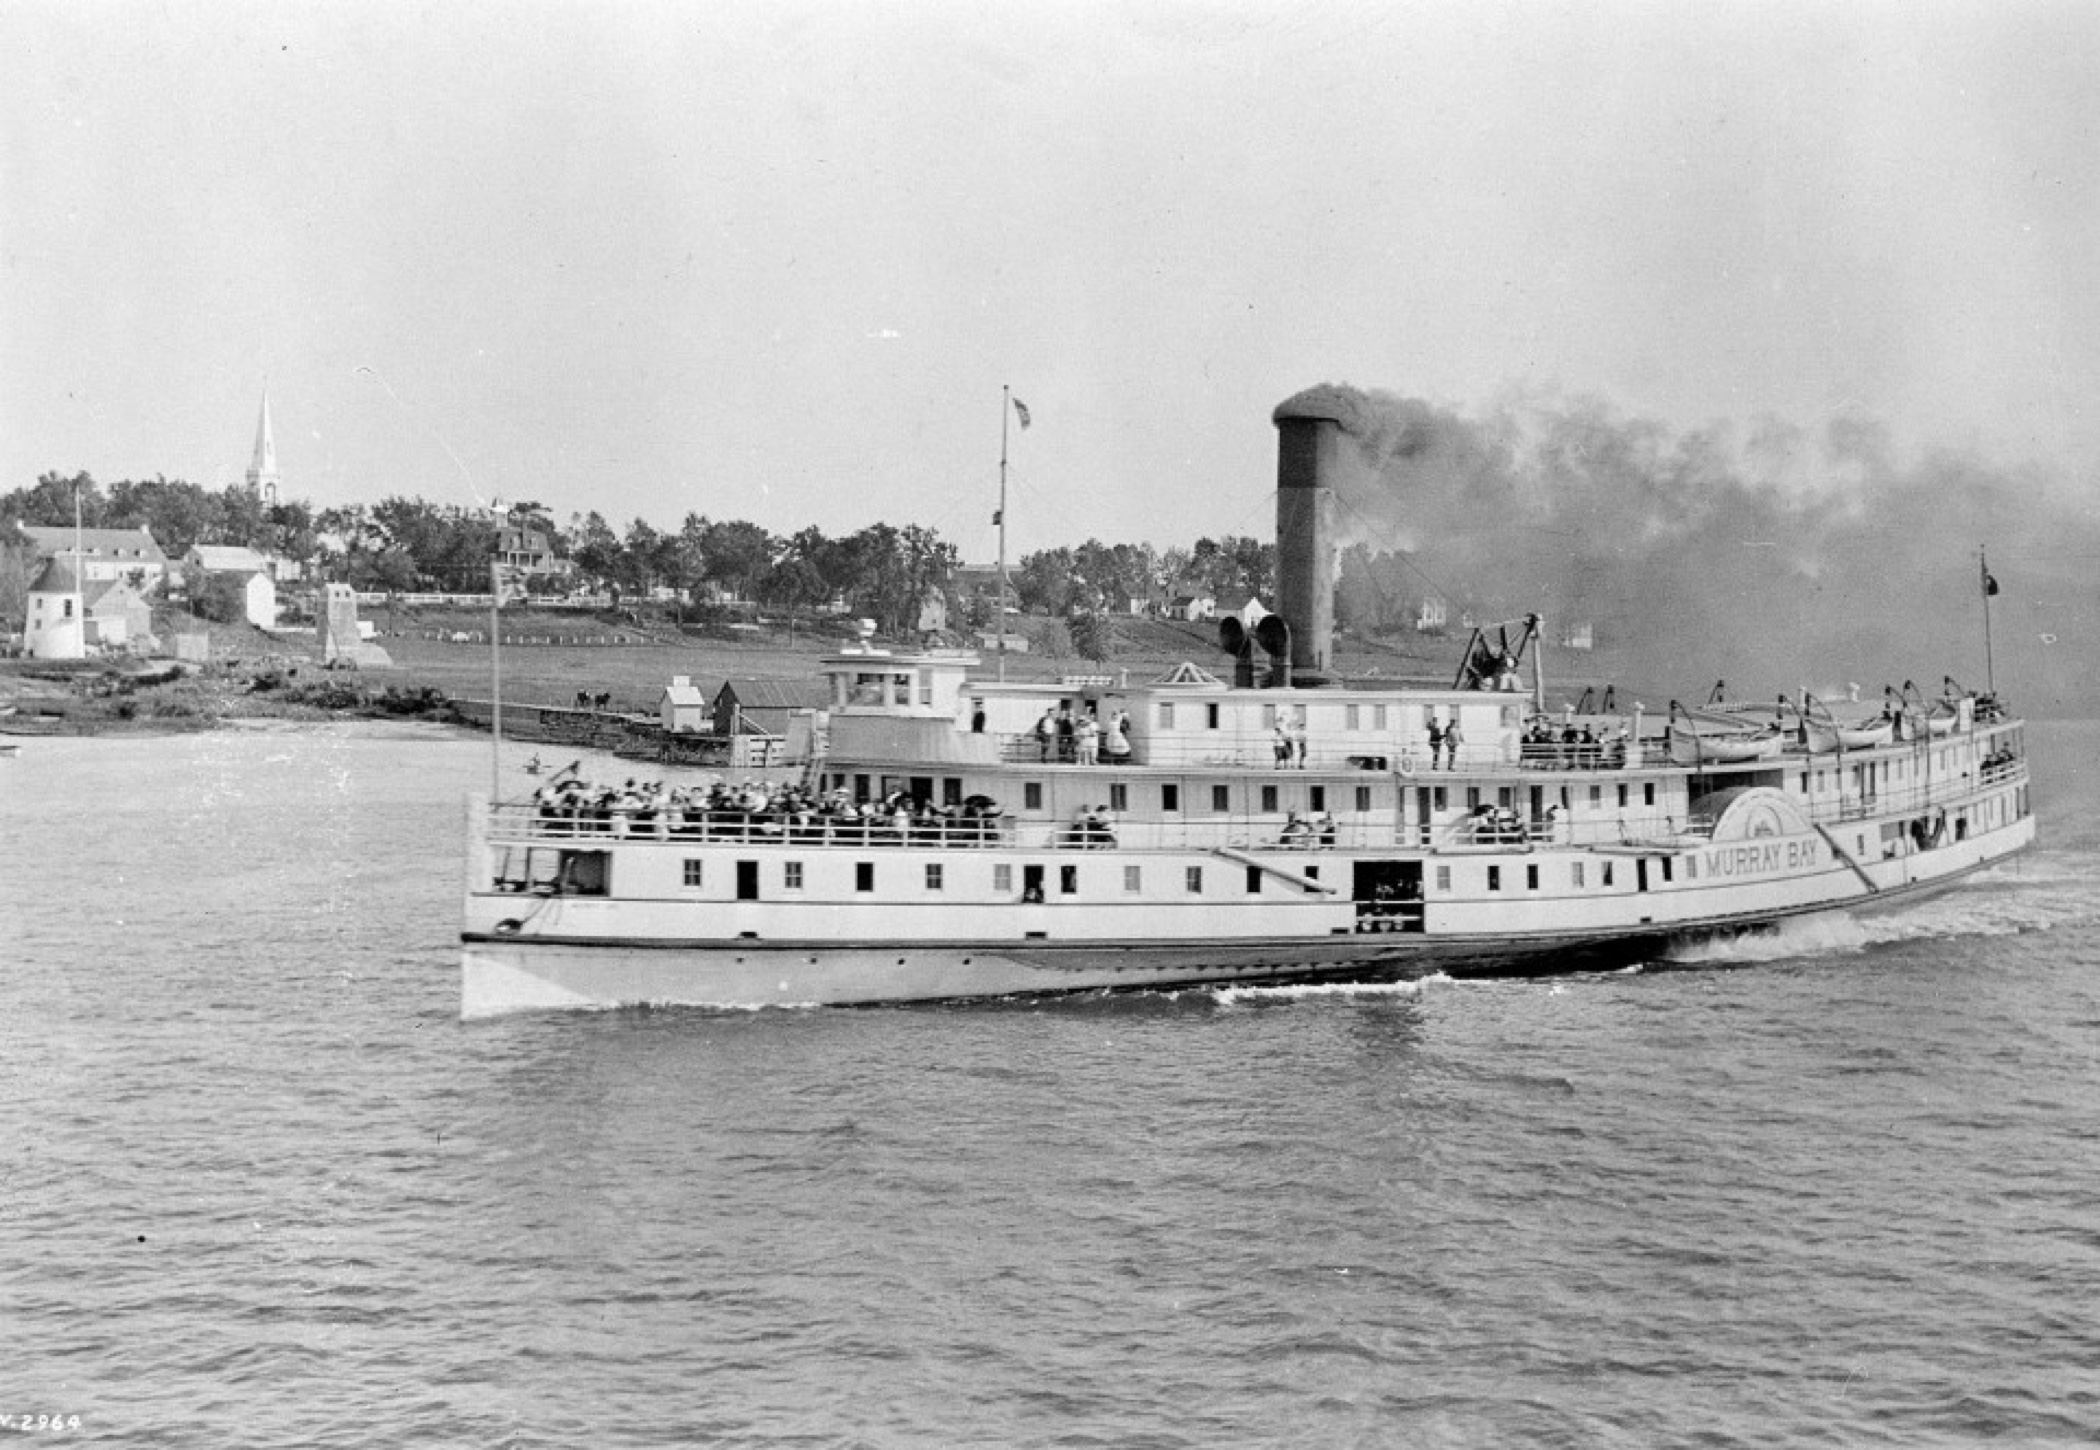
[(503, 972)]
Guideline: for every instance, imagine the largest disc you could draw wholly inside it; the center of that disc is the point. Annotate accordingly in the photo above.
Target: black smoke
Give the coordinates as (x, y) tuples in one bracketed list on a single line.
[(1775, 557)]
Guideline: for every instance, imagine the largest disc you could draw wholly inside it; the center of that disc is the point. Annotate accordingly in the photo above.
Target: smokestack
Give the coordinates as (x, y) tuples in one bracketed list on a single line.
[(1309, 430)]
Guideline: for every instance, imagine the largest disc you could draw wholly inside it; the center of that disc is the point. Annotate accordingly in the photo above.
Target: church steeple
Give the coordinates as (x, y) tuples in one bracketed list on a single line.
[(262, 473)]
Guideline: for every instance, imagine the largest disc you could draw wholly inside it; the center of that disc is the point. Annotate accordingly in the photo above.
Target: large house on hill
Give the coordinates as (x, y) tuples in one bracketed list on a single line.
[(128, 554)]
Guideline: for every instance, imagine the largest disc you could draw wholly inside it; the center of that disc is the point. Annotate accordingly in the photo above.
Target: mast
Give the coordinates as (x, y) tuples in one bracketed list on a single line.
[(495, 682), (1006, 393), (1990, 587), (79, 574)]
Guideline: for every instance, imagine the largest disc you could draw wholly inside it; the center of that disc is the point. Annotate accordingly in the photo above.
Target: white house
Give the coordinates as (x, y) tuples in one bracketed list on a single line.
[(259, 591), (106, 553), (684, 709), (55, 622)]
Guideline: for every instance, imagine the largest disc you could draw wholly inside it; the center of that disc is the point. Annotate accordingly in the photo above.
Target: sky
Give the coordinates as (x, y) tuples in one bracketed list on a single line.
[(777, 261)]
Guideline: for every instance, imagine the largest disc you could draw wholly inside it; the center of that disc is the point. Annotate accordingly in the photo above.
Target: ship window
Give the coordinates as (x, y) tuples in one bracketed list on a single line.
[(1268, 717), (1691, 868), (1607, 873), (1510, 720), (1596, 795), (1666, 868), (791, 875), (1268, 799), (1378, 717), (1221, 797), (1032, 795), (1319, 797), (1352, 717), (1531, 876), (1363, 798), (1622, 795), (693, 873), (1505, 796), (925, 689), (1494, 878), (1804, 782), (1003, 877), (1647, 792), (1195, 880), (1119, 797), (1439, 798), (1472, 797), (1254, 874), (1210, 716), (1133, 878), (933, 875), (1443, 878), (1068, 880), (1166, 714), (1576, 871), (863, 875), (951, 790), (1170, 797)]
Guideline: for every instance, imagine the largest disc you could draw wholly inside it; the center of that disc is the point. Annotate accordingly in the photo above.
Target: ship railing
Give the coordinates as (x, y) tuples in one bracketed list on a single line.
[(535, 824), (1488, 829), (1912, 799)]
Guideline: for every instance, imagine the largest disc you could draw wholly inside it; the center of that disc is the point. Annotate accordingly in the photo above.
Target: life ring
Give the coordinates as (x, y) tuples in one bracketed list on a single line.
[(1407, 766)]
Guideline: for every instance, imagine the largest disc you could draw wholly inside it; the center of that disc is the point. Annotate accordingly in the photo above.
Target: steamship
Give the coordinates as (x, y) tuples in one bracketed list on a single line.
[(1288, 829)]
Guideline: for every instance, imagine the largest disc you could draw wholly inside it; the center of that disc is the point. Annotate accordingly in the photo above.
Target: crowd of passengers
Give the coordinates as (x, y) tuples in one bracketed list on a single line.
[(1572, 747), (1997, 761), (742, 810)]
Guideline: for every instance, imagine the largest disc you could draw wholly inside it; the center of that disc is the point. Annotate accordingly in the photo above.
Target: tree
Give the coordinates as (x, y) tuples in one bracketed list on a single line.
[(50, 503), (736, 555), (1093, 635), (793, 584), (596, 549), (221, 598), (1046, 582)]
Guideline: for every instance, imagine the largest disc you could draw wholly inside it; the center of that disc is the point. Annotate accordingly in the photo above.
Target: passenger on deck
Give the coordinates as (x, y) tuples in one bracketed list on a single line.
[(1283, 746), (1088, 734), (1117, 743)]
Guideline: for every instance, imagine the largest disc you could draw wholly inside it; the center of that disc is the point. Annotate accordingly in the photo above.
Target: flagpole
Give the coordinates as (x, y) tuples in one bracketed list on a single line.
[(79, 574), (1990, 674), (999, 619), (495, 682)]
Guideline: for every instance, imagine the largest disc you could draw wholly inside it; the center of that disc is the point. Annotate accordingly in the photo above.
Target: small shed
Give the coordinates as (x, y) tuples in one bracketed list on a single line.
[(766, 706), (683, 708)]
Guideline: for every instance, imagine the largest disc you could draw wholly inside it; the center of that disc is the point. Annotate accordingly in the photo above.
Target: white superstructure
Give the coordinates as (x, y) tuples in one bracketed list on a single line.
[(946, 848)]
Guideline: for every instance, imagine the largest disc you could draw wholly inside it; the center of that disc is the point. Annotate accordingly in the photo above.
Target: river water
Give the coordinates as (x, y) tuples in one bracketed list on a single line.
[(262, 1187)]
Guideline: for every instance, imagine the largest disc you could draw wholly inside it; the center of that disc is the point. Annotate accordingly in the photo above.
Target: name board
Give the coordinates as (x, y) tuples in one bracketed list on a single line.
[(1763, 858)]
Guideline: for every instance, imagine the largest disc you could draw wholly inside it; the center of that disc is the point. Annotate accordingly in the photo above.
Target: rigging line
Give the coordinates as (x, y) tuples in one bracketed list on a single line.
[(431, 429), (1405, 556)]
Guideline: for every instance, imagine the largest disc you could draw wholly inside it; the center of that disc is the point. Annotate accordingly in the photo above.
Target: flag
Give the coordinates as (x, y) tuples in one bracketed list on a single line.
[(1021, 412), (506, 582), (1990, 584)]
